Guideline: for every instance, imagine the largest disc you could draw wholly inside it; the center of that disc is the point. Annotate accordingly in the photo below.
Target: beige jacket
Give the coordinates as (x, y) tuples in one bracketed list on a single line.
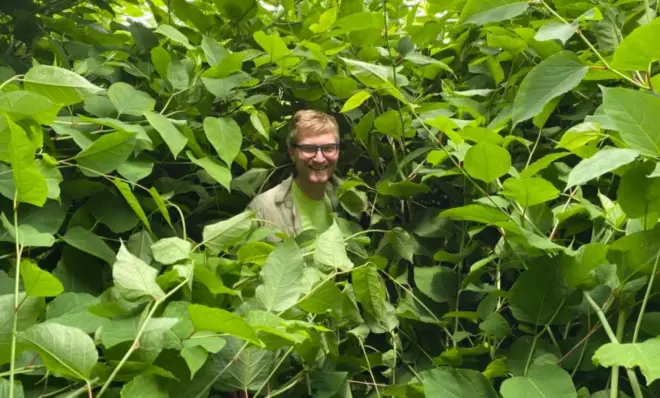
[(276, 206)]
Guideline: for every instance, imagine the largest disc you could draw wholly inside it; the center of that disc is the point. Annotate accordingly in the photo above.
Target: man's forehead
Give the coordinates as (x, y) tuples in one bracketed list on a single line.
[(316, 137)]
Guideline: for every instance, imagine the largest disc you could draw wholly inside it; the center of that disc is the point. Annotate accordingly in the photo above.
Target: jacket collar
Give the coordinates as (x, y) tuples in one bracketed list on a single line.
[(284, 196)]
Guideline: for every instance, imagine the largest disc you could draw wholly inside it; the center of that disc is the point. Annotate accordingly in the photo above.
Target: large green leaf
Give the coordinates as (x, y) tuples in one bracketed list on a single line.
[(638, 50), (168, 132), (132, 201), (543, 381), (438, 283), (71, 309), (323, 298), (280, 277), (551, 78), (330, 249), (456, 383), (487, 162), (21, 105), (480, 12), (38, 282), (221, 235), (538, 294), (222, 321), (106, 153), (247, 370), (65, 350), (87, 241), (529, 191), (129, 101), (639, 194), (30, 185), (171, 250), (144, 386), (225, 136), (635, 115), (218, 172), (30, 310), (630, 355), (60, 85), (601, 163), (133, 278), (477, 213)]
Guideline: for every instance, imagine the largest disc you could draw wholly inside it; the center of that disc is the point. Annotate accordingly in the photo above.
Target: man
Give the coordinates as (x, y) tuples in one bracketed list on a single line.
[(304, 201)]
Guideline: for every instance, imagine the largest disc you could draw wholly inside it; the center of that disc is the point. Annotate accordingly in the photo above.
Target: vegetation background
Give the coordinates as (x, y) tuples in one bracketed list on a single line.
[(499, 205)]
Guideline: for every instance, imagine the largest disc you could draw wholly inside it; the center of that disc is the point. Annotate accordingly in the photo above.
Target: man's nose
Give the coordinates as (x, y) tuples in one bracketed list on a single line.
[(318, 156)]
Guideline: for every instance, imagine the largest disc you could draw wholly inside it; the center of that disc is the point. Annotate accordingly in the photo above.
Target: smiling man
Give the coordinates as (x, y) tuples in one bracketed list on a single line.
[(305, 201)]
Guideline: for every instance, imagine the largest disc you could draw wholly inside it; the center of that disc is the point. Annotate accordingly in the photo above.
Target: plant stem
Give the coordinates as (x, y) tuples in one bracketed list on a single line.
[(528, 364), (217, 376), (601, 317), (136, 341), (593, 49), (273, 372), (371, 373), (26, 369), (14, 329), (642, 309), (620, 326)]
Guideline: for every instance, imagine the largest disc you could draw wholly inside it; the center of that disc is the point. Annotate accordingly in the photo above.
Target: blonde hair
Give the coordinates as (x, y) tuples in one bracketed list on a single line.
[(313, 121)]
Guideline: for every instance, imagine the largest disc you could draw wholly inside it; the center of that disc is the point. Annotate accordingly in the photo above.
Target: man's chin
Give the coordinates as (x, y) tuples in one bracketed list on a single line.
[(318, 178)]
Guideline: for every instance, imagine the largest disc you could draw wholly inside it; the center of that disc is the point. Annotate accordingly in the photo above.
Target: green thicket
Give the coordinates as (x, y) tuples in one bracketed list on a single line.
[(500, 199)]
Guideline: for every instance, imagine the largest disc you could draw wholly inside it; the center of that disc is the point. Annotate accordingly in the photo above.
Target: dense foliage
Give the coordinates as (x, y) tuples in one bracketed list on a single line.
[(500, 199)]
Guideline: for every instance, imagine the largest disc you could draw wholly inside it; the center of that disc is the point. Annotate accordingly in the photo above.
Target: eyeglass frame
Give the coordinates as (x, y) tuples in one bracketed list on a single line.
[(337, 146)]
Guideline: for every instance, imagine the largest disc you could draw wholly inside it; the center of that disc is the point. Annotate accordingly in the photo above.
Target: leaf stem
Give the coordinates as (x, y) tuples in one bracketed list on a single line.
[(9, 81), (594, 50), (17, 281), (371, 373), (136, 341), (601, 317), (273, 372), (528, 364), (646, 299)]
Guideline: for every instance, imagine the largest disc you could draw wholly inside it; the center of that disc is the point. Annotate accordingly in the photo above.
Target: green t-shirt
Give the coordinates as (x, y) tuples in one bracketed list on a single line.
[(314, 214)]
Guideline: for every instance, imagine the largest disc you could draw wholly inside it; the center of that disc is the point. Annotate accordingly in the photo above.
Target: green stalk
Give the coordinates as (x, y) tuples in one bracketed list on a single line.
[(371, 373), (528, 364), (601, 317), (620, 326), (642, 309), (273, 372), (17, 281)]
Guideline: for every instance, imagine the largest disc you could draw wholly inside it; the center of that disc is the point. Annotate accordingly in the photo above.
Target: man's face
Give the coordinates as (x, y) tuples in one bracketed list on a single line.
[(315, 166)]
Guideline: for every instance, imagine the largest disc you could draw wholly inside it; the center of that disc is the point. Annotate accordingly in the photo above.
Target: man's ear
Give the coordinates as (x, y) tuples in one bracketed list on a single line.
[(292, 152)]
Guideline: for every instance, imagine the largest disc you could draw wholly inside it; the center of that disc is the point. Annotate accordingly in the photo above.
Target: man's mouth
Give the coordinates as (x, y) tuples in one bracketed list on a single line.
[(318, 167)]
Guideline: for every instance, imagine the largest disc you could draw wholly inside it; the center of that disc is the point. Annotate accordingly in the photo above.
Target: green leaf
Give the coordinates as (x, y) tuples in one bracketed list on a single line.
[(60, 85), (356, 100), (27, 234), (638, 50), (37, 282), (480, 12), (225, 136), (579, 268), (330, 249), (18, 389), (71, 309), (635, 115), (21, 105), (160, 203), (30, 185), (224, 234), (195, 357), (326, 20), (456, 383), (495, 325), (213, 51), (323, 298), (247, 370), (173, 34), (529, 191), (275, 47), (133, 278), (28, 313), (129, 101), (637, 193), (487, 162), (401, 189), (369, 290), (280, 276), (477, 213), (168, 132), (542, 164), (171, 250), (542, 381), (87, 241), (144, 385), (132, 201), (107, 152), (438, 283), (551, 78), (402, 242), (221, 321), (538, 293), (390, 124), (218, 172), (66, 351), (601, 163), (630, 355), (556, 31)]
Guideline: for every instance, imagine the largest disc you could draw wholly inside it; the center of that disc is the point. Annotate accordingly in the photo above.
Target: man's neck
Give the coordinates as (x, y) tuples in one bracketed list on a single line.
[(312, 191)]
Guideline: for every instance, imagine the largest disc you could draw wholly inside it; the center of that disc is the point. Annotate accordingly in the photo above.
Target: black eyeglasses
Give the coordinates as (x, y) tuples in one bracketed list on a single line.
[(309, 151)]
